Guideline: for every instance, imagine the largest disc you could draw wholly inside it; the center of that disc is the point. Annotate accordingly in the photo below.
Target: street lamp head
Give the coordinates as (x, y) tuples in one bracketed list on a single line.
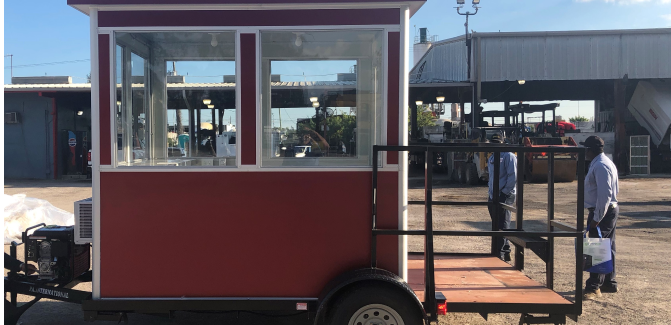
[(207, 101), (476, 2), (461, 2), (440, 99), (521, 82), (419, 103), (315, 104)]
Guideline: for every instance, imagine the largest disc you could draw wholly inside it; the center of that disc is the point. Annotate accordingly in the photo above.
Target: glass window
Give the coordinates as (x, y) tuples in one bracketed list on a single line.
[(321, 97), (176, 99)]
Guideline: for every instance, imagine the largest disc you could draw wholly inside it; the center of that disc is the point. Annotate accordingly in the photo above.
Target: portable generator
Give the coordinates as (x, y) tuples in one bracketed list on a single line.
[(57, 256)]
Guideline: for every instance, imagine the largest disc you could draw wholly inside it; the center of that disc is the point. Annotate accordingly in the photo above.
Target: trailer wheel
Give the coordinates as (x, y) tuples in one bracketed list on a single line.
[(374, 304), (471, 174)]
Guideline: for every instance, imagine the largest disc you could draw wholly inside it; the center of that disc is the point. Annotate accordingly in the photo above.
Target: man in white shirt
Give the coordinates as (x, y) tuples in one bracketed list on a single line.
[(601, 188)]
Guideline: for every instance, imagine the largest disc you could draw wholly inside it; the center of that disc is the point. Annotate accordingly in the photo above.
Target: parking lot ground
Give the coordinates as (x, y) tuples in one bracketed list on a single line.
[(643, 242)]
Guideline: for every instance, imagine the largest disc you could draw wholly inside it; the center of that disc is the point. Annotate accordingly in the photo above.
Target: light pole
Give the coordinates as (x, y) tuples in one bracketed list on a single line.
[(474, 103)]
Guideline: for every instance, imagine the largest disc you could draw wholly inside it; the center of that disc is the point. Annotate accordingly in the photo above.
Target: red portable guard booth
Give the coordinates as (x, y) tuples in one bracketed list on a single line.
[(232, 144)]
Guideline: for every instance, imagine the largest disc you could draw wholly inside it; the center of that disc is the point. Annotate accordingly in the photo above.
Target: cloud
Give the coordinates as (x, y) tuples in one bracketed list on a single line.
[(628, 2), (667, 17)]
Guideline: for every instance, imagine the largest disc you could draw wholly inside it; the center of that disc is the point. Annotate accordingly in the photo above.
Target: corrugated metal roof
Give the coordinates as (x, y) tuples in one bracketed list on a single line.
[(432, 68), (569, 55), (179, 86)]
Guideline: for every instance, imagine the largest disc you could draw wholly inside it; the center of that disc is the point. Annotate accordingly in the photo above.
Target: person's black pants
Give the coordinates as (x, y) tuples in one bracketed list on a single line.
[(501, 244), (607, 226)]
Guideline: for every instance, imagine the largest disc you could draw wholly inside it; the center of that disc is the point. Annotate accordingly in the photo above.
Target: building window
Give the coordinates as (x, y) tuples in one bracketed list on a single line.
[(321, 97), (175, 99)]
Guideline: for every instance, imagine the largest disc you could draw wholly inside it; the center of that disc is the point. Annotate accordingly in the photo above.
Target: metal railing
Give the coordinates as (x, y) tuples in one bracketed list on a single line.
[(429, 232)]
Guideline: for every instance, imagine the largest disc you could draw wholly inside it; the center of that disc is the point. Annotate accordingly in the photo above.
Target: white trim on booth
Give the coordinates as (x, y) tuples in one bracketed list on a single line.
[(238, 101), (259, 98), (403, 140), (95, 138), (384, 125)]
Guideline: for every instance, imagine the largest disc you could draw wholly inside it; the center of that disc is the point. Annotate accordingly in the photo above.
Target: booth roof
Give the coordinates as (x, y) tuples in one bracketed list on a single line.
[(83, 5)]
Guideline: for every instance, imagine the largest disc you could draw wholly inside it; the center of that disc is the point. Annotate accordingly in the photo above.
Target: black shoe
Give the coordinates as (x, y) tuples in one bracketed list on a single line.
[(609, 288), (505, 257)]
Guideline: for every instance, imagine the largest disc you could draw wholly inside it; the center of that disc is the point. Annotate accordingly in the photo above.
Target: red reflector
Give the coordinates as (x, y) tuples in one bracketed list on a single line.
[(543, 153), (88, 156), (442, 308)]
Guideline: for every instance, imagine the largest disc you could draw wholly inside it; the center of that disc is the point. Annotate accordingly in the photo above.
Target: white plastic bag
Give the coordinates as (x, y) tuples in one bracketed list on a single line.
[(597, 256), (21, 212)]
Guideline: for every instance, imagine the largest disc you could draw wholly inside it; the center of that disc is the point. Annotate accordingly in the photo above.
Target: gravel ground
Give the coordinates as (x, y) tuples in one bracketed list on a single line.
[(643, 236)]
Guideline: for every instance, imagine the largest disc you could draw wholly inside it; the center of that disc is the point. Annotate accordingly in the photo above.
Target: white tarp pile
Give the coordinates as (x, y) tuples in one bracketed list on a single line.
[(21, 212)]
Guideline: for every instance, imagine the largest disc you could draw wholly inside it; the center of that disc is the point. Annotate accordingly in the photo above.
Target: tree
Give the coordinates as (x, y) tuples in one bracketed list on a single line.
[(423, 118), (578, 119)]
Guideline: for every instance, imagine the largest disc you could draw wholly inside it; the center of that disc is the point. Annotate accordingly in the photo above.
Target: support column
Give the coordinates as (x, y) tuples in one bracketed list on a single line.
[(506, 108), (621, 143), (462, 112)]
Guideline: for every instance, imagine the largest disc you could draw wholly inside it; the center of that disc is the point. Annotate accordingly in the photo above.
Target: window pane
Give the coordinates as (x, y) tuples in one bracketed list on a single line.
[(322, 97), (176, 99), (119, 93)]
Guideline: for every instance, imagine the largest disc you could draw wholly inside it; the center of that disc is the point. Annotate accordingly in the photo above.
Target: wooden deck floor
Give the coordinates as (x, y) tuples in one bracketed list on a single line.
[(479, 279)]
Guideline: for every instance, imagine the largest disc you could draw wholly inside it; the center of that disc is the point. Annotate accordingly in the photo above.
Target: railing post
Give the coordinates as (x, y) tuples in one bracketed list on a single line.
[(550, 265), (495, 205), (429, 276), (521, 170), (580, 226), (373, 245)]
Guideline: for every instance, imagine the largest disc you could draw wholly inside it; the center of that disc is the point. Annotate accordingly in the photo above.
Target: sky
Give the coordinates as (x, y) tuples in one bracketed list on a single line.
[(43, 34)]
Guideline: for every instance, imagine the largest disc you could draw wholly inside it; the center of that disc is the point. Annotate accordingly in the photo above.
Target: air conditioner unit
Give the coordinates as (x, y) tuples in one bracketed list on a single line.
[(84, 221), (11, 118)]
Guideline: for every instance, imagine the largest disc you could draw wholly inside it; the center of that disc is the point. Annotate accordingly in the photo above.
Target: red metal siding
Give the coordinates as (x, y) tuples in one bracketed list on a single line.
[(386, 16), (104, 98), (393, 62), (248, 98), (238, 234)]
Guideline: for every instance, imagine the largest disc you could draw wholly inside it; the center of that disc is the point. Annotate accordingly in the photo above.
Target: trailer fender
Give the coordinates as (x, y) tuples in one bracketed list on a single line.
[(343, 282)]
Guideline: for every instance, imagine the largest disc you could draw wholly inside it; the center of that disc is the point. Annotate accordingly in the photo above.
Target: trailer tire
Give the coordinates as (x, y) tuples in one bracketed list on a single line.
[(364, 303), (471, 174)]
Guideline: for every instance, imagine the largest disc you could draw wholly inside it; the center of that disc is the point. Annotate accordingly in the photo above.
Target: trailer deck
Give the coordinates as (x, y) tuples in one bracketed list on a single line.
[(479, 279)]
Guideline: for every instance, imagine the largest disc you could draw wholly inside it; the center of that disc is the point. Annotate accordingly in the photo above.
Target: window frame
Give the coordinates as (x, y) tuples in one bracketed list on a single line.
[(149, 115), (378, 140), (386, 30)]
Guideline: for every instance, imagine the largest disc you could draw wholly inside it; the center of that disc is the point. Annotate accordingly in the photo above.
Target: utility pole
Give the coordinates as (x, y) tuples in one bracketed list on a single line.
[(11, 64)]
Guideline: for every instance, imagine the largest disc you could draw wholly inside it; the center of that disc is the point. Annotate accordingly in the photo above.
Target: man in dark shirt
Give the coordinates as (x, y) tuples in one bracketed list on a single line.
[(507, 189)]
